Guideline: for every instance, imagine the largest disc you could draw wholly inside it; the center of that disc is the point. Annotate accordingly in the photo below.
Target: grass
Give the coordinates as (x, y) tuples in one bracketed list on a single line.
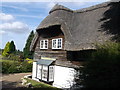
[(41, 85)]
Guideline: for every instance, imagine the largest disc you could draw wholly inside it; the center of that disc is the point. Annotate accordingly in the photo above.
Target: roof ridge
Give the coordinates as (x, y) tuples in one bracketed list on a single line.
[(60, 7), (94, 7)]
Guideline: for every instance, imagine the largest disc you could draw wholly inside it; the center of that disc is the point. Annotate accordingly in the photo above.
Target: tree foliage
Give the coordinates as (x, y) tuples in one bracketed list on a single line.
[(6, 49), (111, 20), (12, 47), (9, 49), (26, 51), (103, 71), (15, 67)]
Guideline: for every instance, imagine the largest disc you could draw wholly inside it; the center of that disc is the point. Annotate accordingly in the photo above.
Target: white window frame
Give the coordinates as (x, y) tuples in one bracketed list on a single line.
[(55, 43), (44, 45), (45, 73), (39, 71), (51, 73)]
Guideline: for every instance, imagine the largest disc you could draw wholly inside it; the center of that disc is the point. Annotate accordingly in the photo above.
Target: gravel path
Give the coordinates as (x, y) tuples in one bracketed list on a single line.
[(12, 80)]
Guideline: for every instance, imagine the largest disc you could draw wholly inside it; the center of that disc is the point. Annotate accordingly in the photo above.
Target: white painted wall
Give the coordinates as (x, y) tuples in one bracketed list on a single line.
[(39, 67), (64, 77), (34, 69)]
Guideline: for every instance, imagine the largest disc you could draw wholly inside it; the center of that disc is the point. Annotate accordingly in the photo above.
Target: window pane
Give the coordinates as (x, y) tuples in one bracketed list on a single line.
[(54, 44), (41, 44), (44, 73), (57, 43), (44, 44), (51, 73)]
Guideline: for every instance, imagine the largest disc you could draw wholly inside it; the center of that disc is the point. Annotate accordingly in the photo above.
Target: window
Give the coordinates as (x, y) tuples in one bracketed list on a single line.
[(51, 73), (39, 70), (57, 43), (44, 73), (44, 44)]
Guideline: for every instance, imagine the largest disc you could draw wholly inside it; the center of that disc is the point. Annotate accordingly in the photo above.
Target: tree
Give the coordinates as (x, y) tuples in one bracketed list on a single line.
[(12, 47), (103, 70), (6, 49), (9, 48), (26, 51), (111, 20)]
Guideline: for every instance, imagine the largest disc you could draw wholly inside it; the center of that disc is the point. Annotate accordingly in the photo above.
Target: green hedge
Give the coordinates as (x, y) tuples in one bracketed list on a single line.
[(9, 66)]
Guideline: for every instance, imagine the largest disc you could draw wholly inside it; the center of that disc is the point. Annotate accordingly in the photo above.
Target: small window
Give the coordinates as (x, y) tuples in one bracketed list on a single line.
[(57, 43), (44, 44), (44, 73), (51, 73)]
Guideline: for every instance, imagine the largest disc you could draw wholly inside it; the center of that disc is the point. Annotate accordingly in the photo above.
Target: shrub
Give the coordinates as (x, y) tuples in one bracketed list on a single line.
[(103, 70), (29, 60), (13, 68), (5, 66), (10, 66), (26, 67)]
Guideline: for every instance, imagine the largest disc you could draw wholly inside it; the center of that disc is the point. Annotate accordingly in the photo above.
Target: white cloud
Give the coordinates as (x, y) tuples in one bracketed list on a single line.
[(16, 27), (6, 17), (10, 25)]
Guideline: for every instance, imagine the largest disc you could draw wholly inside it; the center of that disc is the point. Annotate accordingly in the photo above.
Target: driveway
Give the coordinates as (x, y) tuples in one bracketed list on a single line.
[(12, 81)]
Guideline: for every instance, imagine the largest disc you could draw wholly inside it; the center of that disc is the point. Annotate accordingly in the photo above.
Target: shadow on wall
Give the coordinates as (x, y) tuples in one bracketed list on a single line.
[(112, 20)]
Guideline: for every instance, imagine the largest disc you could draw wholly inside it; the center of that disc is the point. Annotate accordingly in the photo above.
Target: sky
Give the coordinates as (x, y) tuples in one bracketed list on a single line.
[(19, 18)]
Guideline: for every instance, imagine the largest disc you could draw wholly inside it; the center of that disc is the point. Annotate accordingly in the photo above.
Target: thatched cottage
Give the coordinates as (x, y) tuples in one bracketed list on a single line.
[(63, 39)]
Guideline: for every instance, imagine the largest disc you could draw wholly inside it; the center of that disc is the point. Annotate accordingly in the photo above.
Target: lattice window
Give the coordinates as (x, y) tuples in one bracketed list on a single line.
[(44, 44), (57, 43)]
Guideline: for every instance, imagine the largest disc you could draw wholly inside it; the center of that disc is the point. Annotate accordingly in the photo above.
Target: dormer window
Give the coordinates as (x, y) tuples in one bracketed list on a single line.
[(44, 44), (57, 43)]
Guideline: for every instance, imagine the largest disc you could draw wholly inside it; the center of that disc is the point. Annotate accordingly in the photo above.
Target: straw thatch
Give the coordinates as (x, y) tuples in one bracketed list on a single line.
[(81, 28)]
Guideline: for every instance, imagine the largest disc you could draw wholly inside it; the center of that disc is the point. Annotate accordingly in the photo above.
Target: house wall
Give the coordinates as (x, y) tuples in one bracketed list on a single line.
[(59, 54), (34, 71), (64, 77)]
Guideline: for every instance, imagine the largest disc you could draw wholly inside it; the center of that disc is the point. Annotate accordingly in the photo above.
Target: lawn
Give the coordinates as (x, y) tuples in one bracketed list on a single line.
[(41, 85)]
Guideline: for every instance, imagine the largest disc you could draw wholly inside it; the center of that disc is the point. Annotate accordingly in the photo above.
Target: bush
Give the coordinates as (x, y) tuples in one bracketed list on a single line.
[(103, 70), (15, 67), (26, 67), (29, 60), (5, 66), (15, 57)]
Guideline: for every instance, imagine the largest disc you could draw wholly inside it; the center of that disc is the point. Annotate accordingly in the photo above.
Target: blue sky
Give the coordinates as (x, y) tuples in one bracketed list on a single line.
[(18, 19)]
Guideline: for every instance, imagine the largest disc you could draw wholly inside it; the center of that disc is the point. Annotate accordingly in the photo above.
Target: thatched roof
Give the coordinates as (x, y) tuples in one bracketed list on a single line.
[(60, 7), (81, 28)]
